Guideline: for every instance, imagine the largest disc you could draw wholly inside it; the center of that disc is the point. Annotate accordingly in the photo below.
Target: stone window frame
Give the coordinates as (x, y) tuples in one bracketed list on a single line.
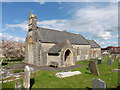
[(78, 50), (86, 50)]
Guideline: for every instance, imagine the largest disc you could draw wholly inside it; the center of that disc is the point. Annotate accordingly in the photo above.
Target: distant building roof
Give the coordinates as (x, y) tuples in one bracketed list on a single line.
[(93, 44), (55, 36)]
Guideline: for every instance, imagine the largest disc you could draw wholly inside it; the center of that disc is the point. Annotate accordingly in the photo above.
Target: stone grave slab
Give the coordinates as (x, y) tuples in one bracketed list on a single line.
[(98, 84), (26, 83), (93, 68), (17, 85)]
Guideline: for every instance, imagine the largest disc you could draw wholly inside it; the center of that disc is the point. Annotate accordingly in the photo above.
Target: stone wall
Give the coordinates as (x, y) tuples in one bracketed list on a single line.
[(84, 52), (52, 58)]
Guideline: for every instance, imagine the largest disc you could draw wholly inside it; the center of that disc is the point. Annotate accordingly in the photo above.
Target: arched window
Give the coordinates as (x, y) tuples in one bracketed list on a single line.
[(30, 40), (78, 51), (86, 51)]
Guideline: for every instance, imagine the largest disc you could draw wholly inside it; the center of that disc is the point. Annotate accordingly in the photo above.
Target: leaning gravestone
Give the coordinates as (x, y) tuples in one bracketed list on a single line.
[(27, 77), (109, 62), (98, 84), (17, 85), (93, 68)]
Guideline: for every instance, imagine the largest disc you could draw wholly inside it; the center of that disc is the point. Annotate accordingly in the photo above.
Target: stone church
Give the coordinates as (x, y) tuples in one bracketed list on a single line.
[(45, 47)]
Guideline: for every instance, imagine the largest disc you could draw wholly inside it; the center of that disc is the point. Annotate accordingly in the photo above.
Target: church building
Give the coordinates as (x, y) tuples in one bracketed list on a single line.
[(45, 47)]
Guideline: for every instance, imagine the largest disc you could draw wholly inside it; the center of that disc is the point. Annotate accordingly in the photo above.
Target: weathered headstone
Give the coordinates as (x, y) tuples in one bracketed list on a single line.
[(110, 56), (1, 62), (17, 85), (99, 62), (98, 84), (0, 80), (114, 56), (109, 62), (119, 59), (27, 77), (93, 68)]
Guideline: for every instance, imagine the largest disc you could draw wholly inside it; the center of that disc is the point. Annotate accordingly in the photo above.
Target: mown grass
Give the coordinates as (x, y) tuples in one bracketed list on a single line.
[(7, 62), (47, 79)]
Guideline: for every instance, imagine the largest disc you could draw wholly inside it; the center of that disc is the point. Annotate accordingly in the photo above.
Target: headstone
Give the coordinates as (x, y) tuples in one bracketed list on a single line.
[(98, 84), (119, 59), (17, 85), (109, 62), (1, 62), (114, 56), (110, 56), (27, 77), (0, 80), (93, 68), (99, 62)]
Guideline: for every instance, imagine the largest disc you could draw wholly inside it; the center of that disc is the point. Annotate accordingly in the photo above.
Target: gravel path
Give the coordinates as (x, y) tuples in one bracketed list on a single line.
[(17, 66), (46, 68)]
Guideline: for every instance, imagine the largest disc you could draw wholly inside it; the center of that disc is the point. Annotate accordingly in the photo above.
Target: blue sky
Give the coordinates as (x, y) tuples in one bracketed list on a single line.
[(96, 21)]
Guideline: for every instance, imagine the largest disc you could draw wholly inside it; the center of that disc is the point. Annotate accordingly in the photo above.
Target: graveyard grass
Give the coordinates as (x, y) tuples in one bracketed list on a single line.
[(47, 79)]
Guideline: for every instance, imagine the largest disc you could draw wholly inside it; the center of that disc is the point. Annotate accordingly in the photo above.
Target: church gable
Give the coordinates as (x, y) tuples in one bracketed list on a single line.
[(93, 44), (58, 47)]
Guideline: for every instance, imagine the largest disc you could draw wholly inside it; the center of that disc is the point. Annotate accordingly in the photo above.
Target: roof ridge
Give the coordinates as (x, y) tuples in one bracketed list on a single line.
[(58, 30)]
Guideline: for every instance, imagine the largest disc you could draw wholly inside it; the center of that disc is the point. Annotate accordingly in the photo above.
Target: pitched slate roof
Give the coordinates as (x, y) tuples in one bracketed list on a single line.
[(56, 48), (55, 36), (93, 44)]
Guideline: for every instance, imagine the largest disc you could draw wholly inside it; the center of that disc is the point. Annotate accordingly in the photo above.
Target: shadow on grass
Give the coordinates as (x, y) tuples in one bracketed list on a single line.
[(87, 73), (4, 63), (89, 88), (32, 81)]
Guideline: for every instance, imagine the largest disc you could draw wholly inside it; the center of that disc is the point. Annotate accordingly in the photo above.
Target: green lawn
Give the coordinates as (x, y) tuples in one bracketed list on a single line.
[(47, 79)]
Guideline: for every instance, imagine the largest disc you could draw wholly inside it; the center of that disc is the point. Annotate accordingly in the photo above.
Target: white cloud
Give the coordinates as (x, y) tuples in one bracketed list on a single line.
[(54, 24), (108, 43), (11, 38), (23, 26), (40, 1), (99, 22)]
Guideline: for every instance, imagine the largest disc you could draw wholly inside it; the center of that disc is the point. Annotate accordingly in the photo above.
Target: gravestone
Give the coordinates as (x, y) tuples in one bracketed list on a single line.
[(26, 83), (98, 84), (0, 80), (109, 62), (110, 56), (1, 62), (119, 59), (17, 85), (93, 68), (99, 61)]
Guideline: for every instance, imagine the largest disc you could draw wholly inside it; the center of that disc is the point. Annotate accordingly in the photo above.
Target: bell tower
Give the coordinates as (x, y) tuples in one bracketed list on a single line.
[(32, 22)]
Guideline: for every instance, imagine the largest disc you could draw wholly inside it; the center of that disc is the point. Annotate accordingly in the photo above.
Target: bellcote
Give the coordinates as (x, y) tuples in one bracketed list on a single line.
[(32, 22)]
